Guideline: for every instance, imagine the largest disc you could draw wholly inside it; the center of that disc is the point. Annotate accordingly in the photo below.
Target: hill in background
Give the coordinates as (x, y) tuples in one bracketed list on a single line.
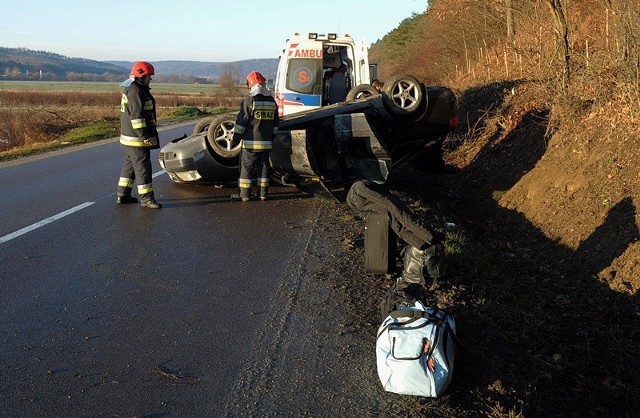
[(26, 64), (177, 70)]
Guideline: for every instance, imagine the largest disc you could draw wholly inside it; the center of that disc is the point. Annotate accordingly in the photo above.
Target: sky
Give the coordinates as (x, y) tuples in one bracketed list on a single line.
[(189, 30)]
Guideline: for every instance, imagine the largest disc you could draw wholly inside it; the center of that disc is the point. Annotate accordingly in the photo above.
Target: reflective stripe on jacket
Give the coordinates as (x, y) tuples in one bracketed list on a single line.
[(257, 122), (138, 116), (134, 141)]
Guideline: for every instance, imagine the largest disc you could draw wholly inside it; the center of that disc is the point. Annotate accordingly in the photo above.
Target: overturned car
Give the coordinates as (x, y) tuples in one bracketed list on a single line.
[(324, 150)]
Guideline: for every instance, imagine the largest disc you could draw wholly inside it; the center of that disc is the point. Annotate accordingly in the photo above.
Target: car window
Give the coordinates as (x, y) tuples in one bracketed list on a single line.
[(304, 76)]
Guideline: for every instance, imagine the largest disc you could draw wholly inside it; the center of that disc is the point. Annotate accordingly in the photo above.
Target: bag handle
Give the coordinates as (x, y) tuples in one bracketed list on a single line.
[(414, 314)]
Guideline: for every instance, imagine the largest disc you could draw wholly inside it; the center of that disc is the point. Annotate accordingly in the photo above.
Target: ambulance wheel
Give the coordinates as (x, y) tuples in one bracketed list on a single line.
[(203, 125), (403, 95), (220, 135), (362, 91)]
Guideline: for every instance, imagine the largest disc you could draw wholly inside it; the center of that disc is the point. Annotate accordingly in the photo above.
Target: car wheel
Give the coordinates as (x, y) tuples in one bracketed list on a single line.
[(203, 125), (361, 91), (220, 135), (403, 94)]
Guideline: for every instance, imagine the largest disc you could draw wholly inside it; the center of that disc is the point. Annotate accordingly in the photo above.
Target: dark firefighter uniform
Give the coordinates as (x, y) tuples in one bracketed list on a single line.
[(137, 123), (256, 125)]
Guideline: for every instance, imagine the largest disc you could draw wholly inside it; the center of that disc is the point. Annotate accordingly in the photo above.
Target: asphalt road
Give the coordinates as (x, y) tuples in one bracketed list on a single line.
[(206, 307)]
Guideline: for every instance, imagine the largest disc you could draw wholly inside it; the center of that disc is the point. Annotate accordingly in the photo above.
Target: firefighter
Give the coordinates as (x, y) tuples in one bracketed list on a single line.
[(138, 136), (256, 125)]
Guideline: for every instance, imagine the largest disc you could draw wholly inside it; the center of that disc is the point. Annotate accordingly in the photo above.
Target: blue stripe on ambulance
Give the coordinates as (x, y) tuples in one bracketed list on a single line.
[(303, 99)]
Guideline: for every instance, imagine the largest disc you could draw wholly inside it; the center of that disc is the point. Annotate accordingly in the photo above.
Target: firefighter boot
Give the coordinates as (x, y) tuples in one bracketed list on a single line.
[(122, 200), (245, 194), (421, 265), (149, 201), (413, 262)]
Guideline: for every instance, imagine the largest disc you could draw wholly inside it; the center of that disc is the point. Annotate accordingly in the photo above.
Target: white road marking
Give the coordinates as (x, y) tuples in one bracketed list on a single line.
[(44, 222)]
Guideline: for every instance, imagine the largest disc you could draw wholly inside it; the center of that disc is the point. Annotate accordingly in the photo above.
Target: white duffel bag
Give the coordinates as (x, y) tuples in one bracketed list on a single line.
[(415, 349)]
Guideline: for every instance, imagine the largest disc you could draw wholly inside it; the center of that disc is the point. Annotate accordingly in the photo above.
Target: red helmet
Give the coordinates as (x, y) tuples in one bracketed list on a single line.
[(254, 78), (142, 68)]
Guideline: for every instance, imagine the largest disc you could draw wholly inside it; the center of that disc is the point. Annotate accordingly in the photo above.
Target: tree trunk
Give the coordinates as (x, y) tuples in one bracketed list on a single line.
[(511, 30), (558, 13)]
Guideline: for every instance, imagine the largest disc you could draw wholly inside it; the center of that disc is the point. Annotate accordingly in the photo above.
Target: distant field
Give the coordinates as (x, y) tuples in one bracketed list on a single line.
[(90, 86), (43, 114)]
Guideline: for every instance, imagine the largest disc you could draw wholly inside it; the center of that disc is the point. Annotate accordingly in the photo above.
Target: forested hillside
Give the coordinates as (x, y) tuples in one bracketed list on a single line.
[(545, 184), (26, 64)]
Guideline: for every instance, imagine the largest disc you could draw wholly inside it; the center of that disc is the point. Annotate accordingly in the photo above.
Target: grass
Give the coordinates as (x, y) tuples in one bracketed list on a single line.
[(187, 112), (93, 132), (95, 86), (456, 242), (75, 136), (39, 116)]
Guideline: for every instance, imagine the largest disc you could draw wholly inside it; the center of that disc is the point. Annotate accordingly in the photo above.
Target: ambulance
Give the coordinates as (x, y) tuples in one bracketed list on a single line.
[(317, 70)]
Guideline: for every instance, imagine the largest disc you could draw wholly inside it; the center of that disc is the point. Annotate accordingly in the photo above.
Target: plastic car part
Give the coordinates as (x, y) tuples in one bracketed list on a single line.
[(358, 143)]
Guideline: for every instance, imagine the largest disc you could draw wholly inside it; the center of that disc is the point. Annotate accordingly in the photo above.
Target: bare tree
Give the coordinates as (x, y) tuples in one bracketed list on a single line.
[(559, 15), (229, 77), (511, 31)]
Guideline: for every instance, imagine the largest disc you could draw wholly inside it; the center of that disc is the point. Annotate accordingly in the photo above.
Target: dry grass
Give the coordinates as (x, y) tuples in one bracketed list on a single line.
[(547, 291), (29, 118)]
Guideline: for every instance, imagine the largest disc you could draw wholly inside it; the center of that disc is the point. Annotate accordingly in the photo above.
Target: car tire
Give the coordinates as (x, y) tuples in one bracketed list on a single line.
[(362, 91), (203, 125), (220, 136), (403, 95)]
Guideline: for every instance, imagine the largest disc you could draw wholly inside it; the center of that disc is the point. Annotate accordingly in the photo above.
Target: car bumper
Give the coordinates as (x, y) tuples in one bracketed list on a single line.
[(189, 160)]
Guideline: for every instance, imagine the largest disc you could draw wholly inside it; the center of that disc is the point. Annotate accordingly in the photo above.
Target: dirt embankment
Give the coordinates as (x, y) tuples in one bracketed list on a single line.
[(545, 289)]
